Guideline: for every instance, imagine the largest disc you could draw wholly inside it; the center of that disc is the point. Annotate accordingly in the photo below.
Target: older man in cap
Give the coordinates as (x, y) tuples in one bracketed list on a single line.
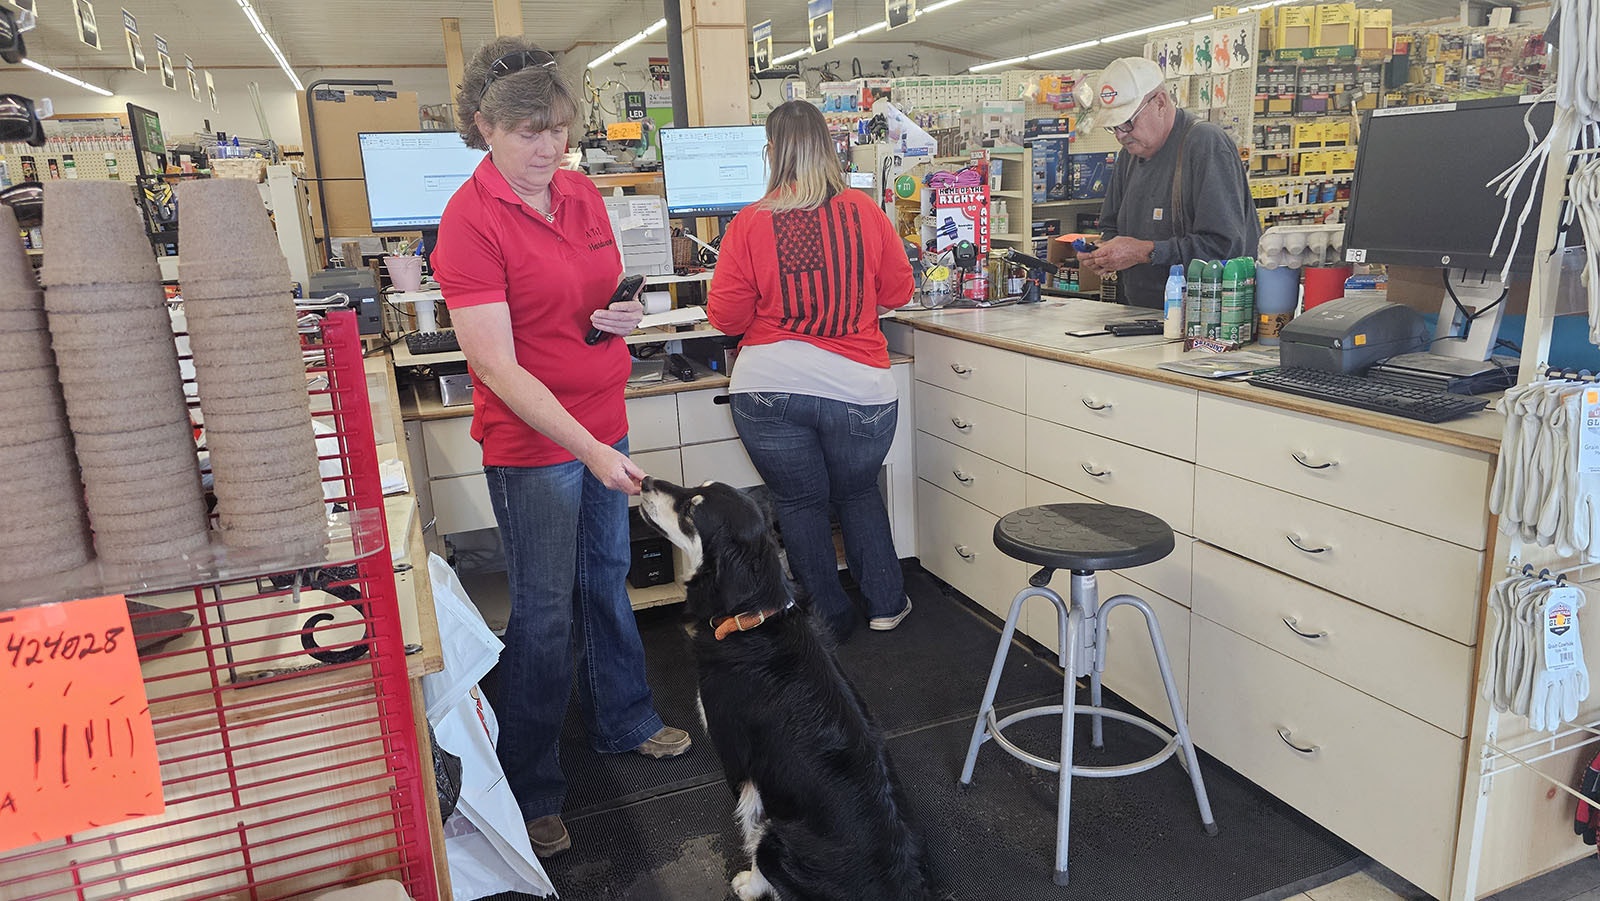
[(1179, 191)]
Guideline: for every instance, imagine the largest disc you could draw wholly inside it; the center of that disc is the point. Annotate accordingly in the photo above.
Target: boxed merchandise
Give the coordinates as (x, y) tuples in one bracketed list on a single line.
[(1089, 174), (1046, 228), (1296, 27), (1336, 25), (1367, 287), (1049, 177), (1060, 126), (994, 123), (1275, 87), (1375, 33)]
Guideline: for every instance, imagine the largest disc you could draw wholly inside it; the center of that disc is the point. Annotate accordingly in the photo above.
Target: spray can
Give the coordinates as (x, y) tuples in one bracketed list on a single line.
[(1211, 299), (1193, 301), (1237, 302), (1172, 324)]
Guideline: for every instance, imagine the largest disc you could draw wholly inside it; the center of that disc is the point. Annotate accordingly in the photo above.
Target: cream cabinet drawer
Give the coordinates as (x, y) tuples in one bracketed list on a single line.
[(1168, 576), (970, 476), (986, 373), (955, 541), (995, 432), (701, 418), (652, 422), (721, 461), (1113, 472), (461, 504), (1384, 781), (1426, 487), (1421, 580), (1131, 410), (1131, 669), (1415, 670), (662, 464), (450, 448)]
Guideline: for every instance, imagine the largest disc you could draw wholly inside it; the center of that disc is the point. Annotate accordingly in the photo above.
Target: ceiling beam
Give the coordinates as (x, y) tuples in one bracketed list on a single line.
[(507, 17), (454, 62)]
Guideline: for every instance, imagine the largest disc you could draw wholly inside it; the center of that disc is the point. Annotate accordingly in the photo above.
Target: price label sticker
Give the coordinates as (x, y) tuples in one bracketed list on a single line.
[(625, 131), (1562, 649), (77, 747), (1589, 436)]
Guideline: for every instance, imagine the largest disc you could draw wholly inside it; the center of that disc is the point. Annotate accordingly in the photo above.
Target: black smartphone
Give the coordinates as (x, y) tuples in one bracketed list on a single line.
[(625, 291)]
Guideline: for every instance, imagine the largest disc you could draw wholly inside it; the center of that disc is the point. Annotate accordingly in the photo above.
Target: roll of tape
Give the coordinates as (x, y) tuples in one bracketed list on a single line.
[(656, 302)]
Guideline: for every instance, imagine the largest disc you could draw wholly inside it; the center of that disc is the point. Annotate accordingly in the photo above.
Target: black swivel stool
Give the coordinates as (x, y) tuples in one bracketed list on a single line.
[(1083, 538)]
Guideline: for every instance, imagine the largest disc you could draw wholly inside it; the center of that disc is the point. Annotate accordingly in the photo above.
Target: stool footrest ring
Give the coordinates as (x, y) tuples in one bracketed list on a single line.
[(995, 732)]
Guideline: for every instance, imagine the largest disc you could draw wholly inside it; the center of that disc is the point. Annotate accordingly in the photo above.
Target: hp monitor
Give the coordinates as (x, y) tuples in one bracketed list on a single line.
[(410, 176), (714, 170)]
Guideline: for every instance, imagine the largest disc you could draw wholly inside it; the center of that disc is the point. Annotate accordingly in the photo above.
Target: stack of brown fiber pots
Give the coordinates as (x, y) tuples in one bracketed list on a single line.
[(118, 368), (43, 531), (249, 371)]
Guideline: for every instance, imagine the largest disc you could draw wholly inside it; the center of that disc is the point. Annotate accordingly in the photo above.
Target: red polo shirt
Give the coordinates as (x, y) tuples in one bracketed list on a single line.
[(494, 248)]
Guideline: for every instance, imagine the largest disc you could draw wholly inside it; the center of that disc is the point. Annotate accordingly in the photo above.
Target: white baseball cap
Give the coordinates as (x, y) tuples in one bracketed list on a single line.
[(1123, 84)]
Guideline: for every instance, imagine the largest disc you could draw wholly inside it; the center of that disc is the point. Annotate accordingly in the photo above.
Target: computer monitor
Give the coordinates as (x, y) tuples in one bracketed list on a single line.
[(713, 170), (410, 176), (149, 146)]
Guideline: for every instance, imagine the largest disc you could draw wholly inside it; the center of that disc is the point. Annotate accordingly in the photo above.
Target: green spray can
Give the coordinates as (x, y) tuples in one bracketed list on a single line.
[(1193, 323), (1237, 306), (1211, 298)]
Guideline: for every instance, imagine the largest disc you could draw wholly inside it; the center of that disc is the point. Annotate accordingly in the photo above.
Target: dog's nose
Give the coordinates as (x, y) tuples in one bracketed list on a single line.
[(646, 484)]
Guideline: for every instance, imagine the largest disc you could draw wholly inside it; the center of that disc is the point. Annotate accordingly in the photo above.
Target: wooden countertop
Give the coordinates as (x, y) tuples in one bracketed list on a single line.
[(1039, 330)]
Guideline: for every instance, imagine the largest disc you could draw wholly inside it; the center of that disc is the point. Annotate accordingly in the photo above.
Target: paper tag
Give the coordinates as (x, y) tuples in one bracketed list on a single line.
[(1589, 438), (625, 131), (1563, 651), (77, 748), (648, 212)]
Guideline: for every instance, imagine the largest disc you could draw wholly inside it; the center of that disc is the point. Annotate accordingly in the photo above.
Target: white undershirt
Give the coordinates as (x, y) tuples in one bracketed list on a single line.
[(800, 367)]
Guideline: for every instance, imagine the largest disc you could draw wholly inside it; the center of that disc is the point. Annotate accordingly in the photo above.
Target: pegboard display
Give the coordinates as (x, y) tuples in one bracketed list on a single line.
[(83, 156), (1211, 69)]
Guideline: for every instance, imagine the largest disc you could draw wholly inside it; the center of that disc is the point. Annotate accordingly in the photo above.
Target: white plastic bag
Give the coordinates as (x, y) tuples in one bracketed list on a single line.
[(469, 648)]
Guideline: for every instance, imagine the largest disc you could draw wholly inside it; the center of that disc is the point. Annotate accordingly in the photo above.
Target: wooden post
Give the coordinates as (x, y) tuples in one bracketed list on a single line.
[(507, 17), (716, 48), (453, 62)]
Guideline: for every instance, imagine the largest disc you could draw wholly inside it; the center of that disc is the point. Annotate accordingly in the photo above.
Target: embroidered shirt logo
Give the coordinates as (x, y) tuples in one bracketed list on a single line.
[(599, 238)]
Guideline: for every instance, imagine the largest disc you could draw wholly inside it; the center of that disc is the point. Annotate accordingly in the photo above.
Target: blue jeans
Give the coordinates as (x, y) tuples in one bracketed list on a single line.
[(814, 454), (566, 547)]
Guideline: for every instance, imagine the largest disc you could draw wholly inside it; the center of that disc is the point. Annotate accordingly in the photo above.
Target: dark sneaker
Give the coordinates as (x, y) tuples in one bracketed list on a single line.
[(667, 742), (548, 835), (885, 623)]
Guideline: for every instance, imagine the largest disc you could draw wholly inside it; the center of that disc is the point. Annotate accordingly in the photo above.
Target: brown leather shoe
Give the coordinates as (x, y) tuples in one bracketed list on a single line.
[(548, 835), (667, 742)]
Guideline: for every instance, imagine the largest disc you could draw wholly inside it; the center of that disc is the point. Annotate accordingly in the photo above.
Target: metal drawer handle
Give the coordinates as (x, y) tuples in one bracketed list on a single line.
[(1300, 458), (961, 476), (960, 423), (1309, 550), (961, 549), (958, 369), (1099, 475), (1293, 627), (1094, 406), (1284, 734)]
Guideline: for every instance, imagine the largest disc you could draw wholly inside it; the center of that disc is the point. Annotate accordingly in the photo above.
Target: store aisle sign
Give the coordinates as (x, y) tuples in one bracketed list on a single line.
[(819, 16), (130, 30), (88, 28), (77, 747), (169, 78), (194, 82), (761, 45), (899, 12), (211, 90)]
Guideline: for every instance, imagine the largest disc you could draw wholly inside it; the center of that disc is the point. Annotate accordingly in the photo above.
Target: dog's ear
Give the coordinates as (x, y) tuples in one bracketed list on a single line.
[(741, 557)]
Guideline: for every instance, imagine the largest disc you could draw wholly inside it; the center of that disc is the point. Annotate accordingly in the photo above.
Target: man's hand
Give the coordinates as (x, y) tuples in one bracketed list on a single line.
[(1119, 253), (614, 469)]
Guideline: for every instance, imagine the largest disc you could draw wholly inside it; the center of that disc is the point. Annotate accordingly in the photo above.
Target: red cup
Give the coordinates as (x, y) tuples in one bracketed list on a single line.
[(1323, 283)]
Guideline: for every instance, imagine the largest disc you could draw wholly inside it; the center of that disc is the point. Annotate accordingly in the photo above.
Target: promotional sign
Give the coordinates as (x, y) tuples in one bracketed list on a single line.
[(660, 71), (211, 91), (819, 15), (761, 45), (169, 79), (88, 30), (194, 82), (130, 29), (899, 12), (77, 747), (961, 214)]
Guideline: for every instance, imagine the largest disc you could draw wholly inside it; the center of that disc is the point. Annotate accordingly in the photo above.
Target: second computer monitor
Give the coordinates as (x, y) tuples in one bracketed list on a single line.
[(714, 170), (410, 176)]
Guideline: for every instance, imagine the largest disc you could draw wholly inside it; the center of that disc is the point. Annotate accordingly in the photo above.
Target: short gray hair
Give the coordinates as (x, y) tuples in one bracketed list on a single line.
[(536, 96)]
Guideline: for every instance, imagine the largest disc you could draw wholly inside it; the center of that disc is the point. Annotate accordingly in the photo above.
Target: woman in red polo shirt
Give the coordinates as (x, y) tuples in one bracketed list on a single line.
[(527, 263), (801, 275)]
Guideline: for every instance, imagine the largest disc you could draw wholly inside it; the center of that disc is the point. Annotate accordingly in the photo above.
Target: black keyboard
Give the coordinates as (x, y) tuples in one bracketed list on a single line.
[(440, 342), (1369, 394)]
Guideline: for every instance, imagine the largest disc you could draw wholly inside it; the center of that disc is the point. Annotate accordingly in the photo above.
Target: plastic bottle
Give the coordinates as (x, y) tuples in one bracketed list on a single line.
[(1193, 301), (1237, 302), (1211, 298), (1172, 322)]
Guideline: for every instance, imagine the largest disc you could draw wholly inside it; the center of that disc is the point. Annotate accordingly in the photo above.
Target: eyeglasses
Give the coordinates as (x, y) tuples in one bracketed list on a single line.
[(20, 119), (27, 201), (12, 25), (1127, 126), (512, 63)]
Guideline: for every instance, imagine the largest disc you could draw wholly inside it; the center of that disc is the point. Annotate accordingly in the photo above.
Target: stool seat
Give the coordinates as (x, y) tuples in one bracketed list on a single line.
[(1083, 537)]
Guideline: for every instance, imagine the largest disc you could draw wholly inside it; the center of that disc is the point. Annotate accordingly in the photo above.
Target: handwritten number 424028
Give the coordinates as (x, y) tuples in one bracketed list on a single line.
[(26, 652)]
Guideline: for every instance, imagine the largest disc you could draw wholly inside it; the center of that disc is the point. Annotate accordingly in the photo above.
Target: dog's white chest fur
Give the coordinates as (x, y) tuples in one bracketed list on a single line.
[(752, 818)]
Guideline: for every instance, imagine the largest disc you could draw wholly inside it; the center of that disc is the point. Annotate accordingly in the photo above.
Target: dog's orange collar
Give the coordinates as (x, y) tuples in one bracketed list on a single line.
[(744, 622)]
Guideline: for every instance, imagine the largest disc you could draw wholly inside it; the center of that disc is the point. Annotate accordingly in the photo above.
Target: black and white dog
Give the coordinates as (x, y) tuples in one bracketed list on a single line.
[(817, 802)]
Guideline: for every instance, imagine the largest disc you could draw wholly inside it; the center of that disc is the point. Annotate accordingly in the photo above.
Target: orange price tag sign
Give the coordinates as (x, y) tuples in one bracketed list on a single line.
[(625, 131), (77, 748)]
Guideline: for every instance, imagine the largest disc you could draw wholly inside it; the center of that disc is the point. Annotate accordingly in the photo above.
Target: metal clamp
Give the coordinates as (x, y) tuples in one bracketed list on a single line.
[(1293, 625), (960, 423), (1284, 734), (1094, 406), (1308, 550), (1300, 458), (1099, 475), (961, 477)]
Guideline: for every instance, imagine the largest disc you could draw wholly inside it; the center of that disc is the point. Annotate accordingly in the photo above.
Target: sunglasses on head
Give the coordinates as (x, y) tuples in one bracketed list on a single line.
[(12, 24), (512, 63), (20, 119), (27, 201)]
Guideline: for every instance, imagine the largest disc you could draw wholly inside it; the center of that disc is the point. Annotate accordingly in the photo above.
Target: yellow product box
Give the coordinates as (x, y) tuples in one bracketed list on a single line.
[(1224, 12), (1341, 160), (1376, 32), (1316, 163), (1335, 134), (1267, 37), (1296, 27), (1308, 134), (1336, 25)]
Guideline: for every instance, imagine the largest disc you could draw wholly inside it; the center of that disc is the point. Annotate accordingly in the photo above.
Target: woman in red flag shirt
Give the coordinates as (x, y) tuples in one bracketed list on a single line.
[(527, 262), (801, 275)]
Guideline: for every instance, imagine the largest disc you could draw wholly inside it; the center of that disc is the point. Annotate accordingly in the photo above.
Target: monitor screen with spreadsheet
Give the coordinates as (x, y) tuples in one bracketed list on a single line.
[(713, 170), (410, 176)]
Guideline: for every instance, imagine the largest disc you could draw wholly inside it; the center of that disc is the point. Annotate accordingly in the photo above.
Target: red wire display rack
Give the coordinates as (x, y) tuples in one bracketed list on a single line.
[(290, 762)]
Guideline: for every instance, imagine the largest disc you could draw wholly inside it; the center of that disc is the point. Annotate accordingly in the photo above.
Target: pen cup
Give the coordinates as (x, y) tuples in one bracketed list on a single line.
[(405, 273)]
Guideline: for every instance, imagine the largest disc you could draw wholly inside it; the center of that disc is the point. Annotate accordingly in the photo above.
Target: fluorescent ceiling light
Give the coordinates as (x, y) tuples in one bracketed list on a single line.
[(655, 26), (1141, 32), (938, 6), (791, 57), (1067, 49), (283, 62), (41, 67), (984, 67)]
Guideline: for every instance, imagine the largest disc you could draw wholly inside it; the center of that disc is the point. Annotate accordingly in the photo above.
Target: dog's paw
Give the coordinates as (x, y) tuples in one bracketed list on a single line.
[(750, 885)]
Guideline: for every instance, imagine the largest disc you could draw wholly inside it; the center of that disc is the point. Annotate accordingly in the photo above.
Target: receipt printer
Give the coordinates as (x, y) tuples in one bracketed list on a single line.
[(1348, 335)]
